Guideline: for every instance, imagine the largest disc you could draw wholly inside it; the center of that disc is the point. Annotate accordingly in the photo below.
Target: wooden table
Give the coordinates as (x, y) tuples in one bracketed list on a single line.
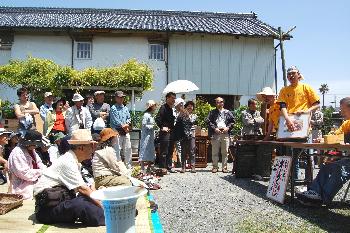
[(307, 146)]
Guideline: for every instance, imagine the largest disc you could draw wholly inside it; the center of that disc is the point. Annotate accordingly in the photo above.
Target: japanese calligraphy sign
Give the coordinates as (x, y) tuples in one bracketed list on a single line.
[(279, 178)]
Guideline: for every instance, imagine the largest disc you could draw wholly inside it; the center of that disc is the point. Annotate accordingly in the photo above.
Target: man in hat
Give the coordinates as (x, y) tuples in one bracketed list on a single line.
[(120, 120), (268, 96), (220, 123), (99, 109), (297, 98), (25, 165), (63, 178), (47, 106), (165, 120), (4, 135), (77, 116)]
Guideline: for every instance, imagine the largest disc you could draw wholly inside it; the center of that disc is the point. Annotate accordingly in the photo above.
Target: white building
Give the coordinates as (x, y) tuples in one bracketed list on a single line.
[(226, 54)]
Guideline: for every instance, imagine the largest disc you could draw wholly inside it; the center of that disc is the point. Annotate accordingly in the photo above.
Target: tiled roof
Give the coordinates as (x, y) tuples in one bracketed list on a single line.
[(144, 20)]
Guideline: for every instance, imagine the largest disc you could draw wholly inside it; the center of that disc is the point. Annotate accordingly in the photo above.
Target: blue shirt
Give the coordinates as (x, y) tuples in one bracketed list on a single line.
[(118, 116), (44, 109)]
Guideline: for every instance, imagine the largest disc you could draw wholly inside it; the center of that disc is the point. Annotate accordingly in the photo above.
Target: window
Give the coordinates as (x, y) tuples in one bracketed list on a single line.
[(83, 50), (156, 52)]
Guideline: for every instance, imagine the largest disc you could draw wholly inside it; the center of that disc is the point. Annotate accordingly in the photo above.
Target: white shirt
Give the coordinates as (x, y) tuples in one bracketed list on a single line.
[(65, 171), (220, 122)]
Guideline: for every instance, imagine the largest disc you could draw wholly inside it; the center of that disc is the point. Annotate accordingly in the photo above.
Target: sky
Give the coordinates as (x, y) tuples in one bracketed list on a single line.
[(320, 45)]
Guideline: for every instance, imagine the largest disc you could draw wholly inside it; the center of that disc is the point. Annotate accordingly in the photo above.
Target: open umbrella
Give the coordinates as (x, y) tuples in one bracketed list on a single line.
[(180, 86)]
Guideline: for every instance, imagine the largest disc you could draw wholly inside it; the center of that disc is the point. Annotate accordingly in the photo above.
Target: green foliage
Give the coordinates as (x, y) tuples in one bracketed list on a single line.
[(202, 110), (40, 75), (327, 119), (136, 119), (7, 109), (237, 113)]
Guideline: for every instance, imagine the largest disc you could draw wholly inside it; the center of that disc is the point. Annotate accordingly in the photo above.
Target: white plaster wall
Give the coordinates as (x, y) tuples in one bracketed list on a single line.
[(56, 48), (106, 51)]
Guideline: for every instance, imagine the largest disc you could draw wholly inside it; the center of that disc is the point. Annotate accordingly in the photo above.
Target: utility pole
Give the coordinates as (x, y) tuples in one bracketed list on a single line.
[(281, 36), (280, 33)]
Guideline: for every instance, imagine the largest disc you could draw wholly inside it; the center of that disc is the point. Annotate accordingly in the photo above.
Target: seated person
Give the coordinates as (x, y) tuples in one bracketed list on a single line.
[(4, 135), (331, 177), (252, 121), (108, 171), (63, 178), (25, 165)]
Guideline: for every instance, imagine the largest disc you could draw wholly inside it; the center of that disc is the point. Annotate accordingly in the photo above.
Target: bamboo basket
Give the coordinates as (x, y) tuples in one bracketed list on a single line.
[(9, 202)]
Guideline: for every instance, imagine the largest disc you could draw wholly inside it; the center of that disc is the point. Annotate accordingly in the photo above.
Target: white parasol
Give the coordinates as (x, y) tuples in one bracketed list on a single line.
[(180, 86)]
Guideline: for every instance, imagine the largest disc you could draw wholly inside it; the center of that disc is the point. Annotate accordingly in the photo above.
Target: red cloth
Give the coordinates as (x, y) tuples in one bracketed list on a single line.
[(35, 165), (59, 123)]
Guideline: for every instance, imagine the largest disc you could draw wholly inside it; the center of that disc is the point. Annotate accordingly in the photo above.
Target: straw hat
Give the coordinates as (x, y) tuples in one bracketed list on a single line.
[(295, 69), (77, 97), (150, 103), (107, 133), (265, 91), (81, 137)]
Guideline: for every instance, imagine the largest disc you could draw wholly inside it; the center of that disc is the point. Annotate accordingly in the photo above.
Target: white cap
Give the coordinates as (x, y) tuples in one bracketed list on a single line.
[(99, 92), (47, 94), (179, 101), (77, 97)]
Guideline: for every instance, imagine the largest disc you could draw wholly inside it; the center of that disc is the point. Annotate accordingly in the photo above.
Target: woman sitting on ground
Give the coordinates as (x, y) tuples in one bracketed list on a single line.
[(108, 171), (55, 120), (25, 165)]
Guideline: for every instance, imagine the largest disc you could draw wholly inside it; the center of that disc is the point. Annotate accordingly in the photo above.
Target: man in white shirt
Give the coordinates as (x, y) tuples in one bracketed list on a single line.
[(78, 116), (64, 206), (220, 123)]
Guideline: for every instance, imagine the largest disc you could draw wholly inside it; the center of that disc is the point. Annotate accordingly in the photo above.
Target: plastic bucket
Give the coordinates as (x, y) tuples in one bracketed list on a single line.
[(119, 205)]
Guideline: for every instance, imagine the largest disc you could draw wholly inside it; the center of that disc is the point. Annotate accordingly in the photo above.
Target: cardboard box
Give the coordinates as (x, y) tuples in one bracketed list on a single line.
[(333, 139)]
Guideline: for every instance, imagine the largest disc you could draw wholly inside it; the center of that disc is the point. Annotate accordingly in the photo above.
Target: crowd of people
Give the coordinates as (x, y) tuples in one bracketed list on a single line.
[(87, 145)]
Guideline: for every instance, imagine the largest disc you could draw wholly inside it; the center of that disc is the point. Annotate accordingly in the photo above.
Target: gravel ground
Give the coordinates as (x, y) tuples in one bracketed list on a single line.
[(206, 202)]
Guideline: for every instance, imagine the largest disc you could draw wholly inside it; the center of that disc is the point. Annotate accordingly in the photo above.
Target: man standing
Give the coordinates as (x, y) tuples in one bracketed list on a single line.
[(120, 120), (47, 106), (77, 116), (220, 123), (297, 98), (252, 121), (55, 192), (165, 120), (99, 108)]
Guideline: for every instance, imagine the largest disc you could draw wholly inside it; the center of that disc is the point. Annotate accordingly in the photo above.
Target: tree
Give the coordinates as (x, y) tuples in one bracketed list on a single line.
[(323, 89)]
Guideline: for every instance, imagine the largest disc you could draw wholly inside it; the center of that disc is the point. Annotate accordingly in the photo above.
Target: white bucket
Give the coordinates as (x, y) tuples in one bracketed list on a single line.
[(119, 204)]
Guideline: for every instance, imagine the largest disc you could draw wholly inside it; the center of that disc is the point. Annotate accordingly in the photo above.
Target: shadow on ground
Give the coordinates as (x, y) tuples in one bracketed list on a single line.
[(334, 218)]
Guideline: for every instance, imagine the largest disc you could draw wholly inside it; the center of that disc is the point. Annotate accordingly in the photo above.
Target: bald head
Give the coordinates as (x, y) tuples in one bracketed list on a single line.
[(219, 103)]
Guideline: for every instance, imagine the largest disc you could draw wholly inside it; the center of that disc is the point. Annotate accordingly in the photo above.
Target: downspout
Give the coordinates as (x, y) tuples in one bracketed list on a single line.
[(166, 45), (72, 49)]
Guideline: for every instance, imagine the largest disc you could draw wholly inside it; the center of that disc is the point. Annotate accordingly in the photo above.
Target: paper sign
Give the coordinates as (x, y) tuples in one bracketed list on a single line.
[(279, 178), (301, 123)]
